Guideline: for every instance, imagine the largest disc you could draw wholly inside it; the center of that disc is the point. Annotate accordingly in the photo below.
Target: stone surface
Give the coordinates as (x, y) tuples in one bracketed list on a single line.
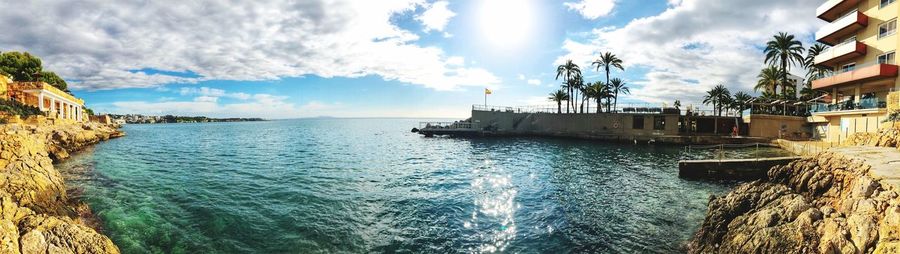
[(36, 216), (841, 201)]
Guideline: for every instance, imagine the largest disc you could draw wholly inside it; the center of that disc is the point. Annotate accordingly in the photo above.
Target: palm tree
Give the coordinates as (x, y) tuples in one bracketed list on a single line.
[(617, 85), (568, 71), (784, 49), (599, 91), (815, 71), (607, 61), (578, 87), (559, 96), (741, 101), (769, 78), (717, 96), (677, 104)]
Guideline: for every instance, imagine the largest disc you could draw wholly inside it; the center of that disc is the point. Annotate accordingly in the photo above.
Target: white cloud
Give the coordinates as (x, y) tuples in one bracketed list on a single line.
[(697, 44), (456, 61), (212, 92), (592, 9), (534, 82), (206, 99), (103, 43), (521, 76), (436, 16)]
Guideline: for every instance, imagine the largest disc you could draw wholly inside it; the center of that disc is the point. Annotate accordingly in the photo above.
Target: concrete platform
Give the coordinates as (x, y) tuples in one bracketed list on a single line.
[(885, 162), (733, 169)]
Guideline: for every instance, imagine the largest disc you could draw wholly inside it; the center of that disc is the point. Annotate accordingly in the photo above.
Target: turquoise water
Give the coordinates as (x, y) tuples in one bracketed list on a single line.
[(368, 185)]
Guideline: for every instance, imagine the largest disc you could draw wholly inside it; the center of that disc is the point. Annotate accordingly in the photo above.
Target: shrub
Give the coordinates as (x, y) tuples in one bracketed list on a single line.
[(16, 108)]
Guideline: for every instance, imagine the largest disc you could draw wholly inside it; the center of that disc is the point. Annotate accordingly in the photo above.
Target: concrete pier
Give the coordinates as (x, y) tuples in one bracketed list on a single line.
[(733, 169)]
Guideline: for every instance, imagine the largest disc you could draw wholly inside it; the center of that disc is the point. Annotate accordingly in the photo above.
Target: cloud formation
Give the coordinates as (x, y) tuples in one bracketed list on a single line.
[(592, 9), (696, 44), (436, 16), (100, 44)]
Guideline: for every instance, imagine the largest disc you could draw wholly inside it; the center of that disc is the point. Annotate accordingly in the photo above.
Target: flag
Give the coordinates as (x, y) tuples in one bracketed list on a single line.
[(487, 91)]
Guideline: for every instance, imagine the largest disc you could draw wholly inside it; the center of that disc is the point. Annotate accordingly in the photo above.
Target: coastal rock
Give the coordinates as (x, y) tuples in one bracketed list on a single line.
[(822, 204), (35, 214)]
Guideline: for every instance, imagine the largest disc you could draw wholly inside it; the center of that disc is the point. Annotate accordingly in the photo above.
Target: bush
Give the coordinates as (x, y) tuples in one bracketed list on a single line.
[(16, 108), (892, 117)]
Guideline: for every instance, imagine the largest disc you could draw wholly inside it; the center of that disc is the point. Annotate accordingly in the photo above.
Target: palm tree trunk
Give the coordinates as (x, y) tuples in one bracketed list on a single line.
[(599, 106), (616, 102), (784, 75), (559, 107)]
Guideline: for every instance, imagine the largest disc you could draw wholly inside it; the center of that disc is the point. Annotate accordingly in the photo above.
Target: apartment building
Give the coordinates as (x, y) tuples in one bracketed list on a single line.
[(862, 35)]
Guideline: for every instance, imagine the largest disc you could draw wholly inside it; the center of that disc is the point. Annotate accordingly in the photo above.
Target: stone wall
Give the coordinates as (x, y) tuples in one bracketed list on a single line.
[(36, 216), (577, 124)]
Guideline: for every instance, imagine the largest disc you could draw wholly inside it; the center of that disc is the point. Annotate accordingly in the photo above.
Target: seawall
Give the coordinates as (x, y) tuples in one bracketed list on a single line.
[(619, 127), (36, 215), (843, 200)]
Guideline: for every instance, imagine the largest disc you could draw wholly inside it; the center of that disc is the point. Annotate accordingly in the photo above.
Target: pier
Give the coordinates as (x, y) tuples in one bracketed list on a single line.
[(730, 169)]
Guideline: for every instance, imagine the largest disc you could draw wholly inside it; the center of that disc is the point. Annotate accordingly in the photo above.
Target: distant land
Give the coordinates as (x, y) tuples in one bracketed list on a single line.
[(145, 119)]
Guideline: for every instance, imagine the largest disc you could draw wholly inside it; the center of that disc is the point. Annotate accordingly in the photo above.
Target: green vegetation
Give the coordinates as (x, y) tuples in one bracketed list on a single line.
[(783, 49), (559, 96), (575, 87), (23, 66), (16, 108)]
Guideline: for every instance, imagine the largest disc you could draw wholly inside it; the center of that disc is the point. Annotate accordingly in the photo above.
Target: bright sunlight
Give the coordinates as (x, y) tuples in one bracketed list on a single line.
[(507, 23)]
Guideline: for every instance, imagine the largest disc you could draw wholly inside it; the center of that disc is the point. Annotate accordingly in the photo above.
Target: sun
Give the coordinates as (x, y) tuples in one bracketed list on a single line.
[(506, 24)]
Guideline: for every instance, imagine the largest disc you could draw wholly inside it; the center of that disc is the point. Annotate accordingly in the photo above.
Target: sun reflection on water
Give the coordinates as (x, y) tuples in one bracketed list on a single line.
[(493, 217)]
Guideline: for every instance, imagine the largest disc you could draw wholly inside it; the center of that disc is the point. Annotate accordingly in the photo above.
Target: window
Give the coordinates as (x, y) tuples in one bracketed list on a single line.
[(637, 122), (886, 3), (887, 58), (659, 122), (887, 28), (848, 67)]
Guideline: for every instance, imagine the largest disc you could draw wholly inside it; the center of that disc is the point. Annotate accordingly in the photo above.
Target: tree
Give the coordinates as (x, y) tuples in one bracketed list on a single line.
[(599, 91), (769, 78), (716, 96), (617, 85), (607, 61), (741, 101), (51, 78), (21, 65), (814, 71), (568, 71), (784, 49), (559, 96)]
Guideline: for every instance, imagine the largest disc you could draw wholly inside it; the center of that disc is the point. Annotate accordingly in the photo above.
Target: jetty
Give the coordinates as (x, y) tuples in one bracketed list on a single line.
[(635, 123), (730, 169)]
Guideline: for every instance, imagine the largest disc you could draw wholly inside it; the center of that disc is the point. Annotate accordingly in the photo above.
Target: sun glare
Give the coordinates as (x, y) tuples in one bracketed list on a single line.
[(506, 23)]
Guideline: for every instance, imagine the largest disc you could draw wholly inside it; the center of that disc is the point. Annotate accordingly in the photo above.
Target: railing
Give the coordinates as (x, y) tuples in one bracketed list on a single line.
[(781, 109), (839, 50), (856, 67), (870, 103), (631, 108)]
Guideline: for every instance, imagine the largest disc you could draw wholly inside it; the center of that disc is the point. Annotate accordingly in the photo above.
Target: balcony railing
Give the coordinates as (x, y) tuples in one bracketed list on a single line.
[(833, 9), (871, 103), (841, 53), (841, 28), (860, 73)]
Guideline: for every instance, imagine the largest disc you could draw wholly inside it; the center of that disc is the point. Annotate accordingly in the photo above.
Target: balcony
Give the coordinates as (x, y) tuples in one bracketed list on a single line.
[(833, 9), (840, 53), (848, 107), (861, 73), (841, 28)]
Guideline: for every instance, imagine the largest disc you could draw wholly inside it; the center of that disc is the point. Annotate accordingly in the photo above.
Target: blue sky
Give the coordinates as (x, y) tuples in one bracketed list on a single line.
[(393, 58)]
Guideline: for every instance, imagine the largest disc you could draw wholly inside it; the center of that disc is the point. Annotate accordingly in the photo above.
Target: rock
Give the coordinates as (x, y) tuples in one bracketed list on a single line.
[(824, 204), (35, 213)]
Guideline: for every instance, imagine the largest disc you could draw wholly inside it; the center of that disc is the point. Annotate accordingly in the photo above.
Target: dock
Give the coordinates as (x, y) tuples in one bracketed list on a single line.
[(731, 169), (452, 129)]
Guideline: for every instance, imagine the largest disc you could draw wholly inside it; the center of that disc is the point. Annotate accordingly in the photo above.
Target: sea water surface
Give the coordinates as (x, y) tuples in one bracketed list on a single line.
[(369, 185)]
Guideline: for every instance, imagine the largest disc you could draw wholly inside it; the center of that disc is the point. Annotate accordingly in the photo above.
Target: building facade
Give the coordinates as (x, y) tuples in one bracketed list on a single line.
[(863, 87), (53, 102)]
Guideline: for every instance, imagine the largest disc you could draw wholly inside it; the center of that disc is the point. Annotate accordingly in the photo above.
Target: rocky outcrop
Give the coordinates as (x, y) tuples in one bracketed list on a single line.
[(888, 137), (36, 216), (828, 203)]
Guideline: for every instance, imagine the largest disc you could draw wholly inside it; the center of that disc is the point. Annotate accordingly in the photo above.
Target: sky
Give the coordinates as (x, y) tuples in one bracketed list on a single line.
[(281, 59)]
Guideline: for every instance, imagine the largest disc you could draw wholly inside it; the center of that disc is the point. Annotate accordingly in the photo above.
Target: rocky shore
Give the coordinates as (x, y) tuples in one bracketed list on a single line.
[(36, 216), (841, 201)]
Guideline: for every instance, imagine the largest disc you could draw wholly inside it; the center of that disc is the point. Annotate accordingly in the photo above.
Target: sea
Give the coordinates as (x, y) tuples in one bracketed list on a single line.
[(370, 185)]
